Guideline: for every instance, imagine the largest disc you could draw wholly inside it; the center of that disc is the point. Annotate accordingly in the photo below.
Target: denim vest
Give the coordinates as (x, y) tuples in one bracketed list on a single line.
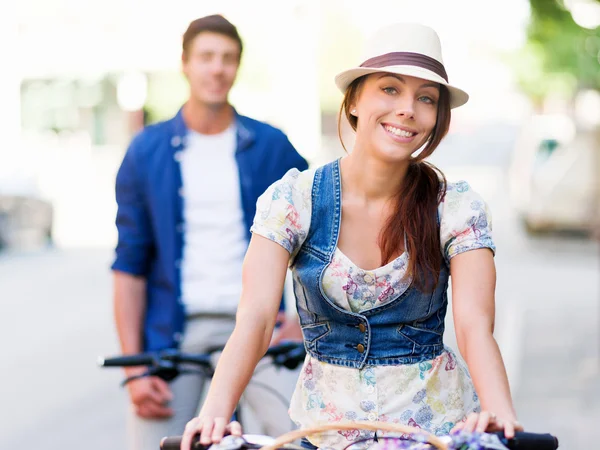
[(406, 330)]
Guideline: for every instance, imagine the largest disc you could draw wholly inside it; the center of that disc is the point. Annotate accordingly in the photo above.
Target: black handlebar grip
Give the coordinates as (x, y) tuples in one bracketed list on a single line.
[(170, 443), (292, 359), (530, 441), (127, 361), (174, 443)]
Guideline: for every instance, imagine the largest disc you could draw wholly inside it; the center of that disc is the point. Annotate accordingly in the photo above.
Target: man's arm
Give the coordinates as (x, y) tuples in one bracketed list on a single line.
[(149, 395), (133, 252), (129, 295)]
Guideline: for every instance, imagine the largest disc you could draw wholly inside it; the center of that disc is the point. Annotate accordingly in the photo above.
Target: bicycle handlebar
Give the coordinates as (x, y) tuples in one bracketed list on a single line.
[(521, 441), (287, 354), (127, 361), (537, 441), (154, 359)]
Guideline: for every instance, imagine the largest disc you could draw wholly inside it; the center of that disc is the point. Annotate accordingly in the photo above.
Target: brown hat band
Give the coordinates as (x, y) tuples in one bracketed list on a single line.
[(407, 58)]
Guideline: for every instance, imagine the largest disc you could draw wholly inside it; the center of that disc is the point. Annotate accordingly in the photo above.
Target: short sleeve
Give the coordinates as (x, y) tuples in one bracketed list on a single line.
[(466, 223), (283, 211)]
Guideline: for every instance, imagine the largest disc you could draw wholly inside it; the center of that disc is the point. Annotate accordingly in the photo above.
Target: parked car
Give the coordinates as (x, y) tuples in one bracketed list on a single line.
[(552, 177)]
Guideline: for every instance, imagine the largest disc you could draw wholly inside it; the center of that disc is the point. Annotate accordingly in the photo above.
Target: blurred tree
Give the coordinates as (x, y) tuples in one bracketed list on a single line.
[(560, 57), (167, 91)]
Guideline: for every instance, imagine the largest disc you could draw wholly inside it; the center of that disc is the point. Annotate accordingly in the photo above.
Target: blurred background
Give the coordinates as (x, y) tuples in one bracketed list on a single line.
[(79, 79)]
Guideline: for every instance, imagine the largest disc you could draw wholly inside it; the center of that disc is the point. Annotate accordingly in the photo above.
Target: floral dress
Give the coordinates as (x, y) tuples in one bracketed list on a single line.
[(433, 395)]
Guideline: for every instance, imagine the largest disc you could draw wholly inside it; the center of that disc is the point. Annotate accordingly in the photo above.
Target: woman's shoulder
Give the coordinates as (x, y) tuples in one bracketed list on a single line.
[(283, 211), (465, 221), (295, 180), (458, 187), (460, 194), (292, 192)]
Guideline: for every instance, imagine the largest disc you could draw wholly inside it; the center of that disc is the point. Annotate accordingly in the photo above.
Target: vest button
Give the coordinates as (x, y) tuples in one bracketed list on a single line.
[(360, 348), (362, 328)]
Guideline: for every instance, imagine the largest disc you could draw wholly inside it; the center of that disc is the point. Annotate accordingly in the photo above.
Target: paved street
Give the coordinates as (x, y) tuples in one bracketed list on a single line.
[(559, 369), (56, 320)]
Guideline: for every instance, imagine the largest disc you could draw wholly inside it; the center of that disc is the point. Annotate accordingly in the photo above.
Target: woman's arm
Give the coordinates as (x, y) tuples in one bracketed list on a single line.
[(263, 277), (473, 285)]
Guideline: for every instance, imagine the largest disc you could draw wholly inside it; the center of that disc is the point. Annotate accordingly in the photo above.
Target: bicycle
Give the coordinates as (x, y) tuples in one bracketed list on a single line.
[(410, 439), (168, 364)]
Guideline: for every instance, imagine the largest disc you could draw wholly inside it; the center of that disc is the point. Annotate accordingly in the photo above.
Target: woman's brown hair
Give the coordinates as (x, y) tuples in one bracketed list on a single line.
[(415, 211)]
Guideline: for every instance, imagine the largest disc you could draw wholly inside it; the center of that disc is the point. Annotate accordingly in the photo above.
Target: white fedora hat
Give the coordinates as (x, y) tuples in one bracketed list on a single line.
[(406, 49)]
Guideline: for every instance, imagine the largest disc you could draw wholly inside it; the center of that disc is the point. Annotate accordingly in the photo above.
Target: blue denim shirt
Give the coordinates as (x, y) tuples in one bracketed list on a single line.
[(150, 219), (408, 329)]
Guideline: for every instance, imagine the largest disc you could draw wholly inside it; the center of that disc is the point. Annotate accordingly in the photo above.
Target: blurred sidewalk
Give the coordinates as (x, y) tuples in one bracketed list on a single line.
[(559, 382), (559, 390)]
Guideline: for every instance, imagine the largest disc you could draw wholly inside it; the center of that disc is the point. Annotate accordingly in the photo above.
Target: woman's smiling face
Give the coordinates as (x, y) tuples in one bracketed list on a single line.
[(396, 114)]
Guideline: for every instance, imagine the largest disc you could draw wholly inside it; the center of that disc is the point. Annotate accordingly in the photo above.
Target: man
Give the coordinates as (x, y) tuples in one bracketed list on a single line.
[(186, 194)]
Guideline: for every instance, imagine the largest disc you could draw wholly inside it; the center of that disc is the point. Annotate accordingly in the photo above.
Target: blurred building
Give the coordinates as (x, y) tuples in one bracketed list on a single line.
[(83, 77), (87, 76)]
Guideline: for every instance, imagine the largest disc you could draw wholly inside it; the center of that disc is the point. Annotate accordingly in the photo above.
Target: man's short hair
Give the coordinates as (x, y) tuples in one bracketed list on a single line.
[(215, 24)]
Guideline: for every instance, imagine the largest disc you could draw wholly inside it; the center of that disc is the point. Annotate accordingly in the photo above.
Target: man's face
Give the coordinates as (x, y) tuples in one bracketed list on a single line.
[(211, 65)]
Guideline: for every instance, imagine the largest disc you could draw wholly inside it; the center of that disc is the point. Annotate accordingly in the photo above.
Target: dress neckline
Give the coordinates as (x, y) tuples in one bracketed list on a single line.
[(377, 269)]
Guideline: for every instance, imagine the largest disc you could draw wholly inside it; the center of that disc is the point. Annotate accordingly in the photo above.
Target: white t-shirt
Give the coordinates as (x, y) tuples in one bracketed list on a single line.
[(214, 242)]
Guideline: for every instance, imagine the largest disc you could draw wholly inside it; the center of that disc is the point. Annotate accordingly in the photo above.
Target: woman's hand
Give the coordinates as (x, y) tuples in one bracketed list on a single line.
[(210, 429), (486, 421)]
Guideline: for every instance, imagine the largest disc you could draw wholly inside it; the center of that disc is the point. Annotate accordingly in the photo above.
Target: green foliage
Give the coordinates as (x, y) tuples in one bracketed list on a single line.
[(560, 56), (167, 91)]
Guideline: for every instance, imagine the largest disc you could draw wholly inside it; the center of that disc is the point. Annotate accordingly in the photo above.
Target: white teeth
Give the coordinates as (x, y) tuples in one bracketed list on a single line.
[(399, 132)]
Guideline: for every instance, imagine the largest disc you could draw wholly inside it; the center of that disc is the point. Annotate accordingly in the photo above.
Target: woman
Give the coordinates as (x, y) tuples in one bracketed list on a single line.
[(371, 240)]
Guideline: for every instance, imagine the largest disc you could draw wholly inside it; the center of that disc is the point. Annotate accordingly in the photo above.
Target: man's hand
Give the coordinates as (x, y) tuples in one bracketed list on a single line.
[(289, 330), (150, 396)]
